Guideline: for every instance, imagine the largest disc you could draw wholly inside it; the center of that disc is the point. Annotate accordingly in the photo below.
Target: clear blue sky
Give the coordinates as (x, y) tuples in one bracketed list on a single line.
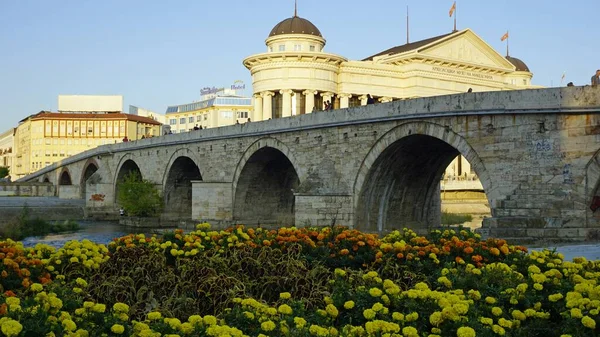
[(158, 53)]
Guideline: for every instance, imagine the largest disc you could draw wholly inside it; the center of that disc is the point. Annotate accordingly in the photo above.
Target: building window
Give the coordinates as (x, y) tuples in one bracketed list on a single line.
[(281, 47), (312, 48), (297, 47), (206, 117), (198, 118), (182, 120), (242, 114), (191, 120), (227, 114), (524, 82), (172, 121), (271, 49)]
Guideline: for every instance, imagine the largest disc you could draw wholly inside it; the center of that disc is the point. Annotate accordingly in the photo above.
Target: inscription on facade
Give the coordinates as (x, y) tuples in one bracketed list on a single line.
[(462, 73)]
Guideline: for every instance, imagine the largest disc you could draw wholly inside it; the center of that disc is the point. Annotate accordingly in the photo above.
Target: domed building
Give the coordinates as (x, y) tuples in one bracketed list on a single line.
[(296, 75)]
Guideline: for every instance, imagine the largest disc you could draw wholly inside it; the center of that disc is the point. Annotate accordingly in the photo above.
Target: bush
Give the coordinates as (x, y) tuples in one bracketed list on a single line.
[(139, 197), (449, 219)]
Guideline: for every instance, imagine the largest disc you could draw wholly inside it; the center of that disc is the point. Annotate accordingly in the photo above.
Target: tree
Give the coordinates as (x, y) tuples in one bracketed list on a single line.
[(4, 171), (139, 197)]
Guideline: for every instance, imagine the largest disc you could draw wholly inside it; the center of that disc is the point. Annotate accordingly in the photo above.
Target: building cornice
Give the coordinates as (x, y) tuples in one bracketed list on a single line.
[(314, 57)]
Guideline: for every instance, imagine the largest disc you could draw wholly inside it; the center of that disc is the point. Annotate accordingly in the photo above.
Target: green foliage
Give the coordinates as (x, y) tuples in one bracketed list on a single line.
[(139, 197), (4, 171), (24, 225), (449, 219)]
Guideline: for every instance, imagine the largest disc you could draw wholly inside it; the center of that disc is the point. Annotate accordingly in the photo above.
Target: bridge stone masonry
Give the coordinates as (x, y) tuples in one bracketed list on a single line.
[(375, 168)]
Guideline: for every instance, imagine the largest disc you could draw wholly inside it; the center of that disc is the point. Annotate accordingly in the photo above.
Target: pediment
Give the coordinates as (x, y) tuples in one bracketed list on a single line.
[(466, 47)]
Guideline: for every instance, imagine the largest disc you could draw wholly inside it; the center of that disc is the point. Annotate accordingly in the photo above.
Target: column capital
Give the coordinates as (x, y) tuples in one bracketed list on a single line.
[(257, 95), (267, 93), (385, 99), (328, 93), (286, 91), (309, 92), (362, 97), (344, 95)]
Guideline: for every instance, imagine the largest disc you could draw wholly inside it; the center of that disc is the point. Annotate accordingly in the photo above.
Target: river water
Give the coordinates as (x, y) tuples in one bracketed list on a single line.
[(104, 232)]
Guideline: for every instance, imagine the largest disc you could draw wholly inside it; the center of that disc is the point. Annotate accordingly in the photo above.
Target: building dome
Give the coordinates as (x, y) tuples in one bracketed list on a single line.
[(295, 25), (520, 65)]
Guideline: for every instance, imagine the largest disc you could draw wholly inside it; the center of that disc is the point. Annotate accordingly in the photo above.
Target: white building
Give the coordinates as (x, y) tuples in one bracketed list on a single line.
[(7, 153)]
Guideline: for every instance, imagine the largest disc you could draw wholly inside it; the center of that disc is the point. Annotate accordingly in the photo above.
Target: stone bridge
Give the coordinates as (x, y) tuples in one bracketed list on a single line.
[(376, 167)]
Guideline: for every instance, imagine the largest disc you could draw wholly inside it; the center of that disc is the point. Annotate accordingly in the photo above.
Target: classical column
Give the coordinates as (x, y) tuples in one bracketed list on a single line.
[(385, 99), (363, 99), (258, 108), (310, 100), (344, 100), (326, 97), (286, 102), (267, 104)]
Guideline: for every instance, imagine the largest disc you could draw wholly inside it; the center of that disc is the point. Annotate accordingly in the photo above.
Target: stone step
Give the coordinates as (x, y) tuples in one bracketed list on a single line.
[(540, 203), (516, 212)]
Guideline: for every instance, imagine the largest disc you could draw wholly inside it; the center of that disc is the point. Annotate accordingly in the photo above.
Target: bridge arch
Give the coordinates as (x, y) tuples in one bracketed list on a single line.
[(398, 181), (65, 177), (89, 168), (126, 165), (182, 169), (264, 183)]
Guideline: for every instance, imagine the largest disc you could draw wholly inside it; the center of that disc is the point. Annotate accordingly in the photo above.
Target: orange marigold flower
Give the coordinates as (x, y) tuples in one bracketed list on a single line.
[(344, 251), (468, 250), (504, 250), (494, 251), (9, 293), (400, 255)]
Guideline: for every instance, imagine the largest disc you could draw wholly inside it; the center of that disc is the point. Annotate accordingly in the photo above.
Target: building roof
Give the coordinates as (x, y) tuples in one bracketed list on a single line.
[(295, 25), (100, 116), (407, 47), (520, 65)]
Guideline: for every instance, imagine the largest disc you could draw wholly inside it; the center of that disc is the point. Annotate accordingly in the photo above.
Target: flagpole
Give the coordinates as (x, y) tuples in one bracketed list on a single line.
[(406, 24), (455, 18), (507, 37)]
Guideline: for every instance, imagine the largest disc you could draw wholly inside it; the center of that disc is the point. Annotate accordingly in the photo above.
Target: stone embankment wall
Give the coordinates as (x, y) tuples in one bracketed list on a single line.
[(27, 189), (47, 208)]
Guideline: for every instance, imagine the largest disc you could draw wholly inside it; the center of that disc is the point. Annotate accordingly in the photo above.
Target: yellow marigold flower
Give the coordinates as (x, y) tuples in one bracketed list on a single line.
[(538, 286), (576, 313), (69, 325), (82, 333), (565, 335), (555, 297), (210, 320), (285, 309), (349, 305), (409, 331), (248, 315), (588, 322), (490, 300), (369, 313), (486, 321), (121, 307), (331, 310), (497, 311), (318, 331), (518, 314), (522, 287), (74, 260), (194, 319), (436, 318), (77, 290), (186, 328), (154, 315), (117, 328), (340, 272), (99, 307), (465, 331), (81, 282), (377, 307), (88, 304), (36, 287), (413, 316), (11, 327), (300, 322), (498, 330), (505, 323), (375, 292), (285, 296), (268, 326)]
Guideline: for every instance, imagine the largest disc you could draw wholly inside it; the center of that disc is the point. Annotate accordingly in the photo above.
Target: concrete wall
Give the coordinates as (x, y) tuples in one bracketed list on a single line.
[(68, 192), (535, 152), (27, 189)]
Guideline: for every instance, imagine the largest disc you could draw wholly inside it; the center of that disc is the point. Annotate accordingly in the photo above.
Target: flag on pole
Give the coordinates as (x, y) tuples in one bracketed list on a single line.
[(563, 76), (504, 37), (452, 9)]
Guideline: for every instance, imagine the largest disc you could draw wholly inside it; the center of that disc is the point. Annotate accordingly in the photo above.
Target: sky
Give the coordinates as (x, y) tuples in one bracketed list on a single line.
[(158, 53)]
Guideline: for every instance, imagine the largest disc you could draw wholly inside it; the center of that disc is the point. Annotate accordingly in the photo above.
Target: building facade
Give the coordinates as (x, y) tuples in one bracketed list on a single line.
[(7, 143), (90, 103), (135, 110), (296, 76), (47, 137), (217, 107)]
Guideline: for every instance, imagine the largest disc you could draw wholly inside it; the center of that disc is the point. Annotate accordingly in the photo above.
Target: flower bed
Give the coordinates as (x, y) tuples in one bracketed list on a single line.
[(329, 281)]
